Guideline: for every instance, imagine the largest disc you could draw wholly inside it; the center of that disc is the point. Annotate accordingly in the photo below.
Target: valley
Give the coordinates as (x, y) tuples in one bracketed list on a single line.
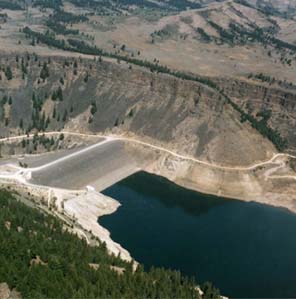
[(199, 93)]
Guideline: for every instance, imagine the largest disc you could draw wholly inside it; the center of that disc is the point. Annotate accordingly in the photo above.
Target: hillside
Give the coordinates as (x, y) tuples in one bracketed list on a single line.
[(188, 116), (49, 261), (235, 89), (231, 37)]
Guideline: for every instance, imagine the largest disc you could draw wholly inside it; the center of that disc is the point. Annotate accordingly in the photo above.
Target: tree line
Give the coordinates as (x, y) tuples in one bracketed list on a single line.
[(10, 5)]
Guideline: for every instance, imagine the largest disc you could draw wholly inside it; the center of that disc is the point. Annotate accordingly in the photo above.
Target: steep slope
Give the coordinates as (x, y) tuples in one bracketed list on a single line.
[(186, 116), (272, 100)]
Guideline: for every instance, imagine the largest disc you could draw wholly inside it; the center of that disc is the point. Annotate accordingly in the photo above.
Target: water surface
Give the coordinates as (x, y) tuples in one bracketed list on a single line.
[(246, 249)]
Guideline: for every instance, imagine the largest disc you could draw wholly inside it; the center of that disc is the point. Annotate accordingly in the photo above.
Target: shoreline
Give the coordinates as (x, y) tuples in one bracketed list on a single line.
[(79, 209), (96, 204), (245, 183), (288, 208), (273, 185), (87, 209)]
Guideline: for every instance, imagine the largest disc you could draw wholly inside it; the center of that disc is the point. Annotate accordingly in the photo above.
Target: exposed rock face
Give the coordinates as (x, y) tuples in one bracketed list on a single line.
[(255, 97), (185, 116)]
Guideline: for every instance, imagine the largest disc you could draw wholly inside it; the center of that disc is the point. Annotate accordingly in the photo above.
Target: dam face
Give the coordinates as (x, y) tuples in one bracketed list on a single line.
[(99, 167)]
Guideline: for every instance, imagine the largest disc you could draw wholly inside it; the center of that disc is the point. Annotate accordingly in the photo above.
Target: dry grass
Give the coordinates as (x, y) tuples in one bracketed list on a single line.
[(189, 54)]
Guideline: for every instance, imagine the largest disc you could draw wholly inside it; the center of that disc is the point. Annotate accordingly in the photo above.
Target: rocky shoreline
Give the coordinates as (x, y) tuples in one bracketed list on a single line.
[(86, 209)]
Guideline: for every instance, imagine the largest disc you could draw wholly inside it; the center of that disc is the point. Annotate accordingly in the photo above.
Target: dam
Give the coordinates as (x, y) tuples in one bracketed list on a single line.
[(99, 166), (232, 243)]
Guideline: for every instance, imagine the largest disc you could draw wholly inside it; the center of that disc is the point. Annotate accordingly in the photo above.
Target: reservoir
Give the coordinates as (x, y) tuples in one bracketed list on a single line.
[(247, 250)]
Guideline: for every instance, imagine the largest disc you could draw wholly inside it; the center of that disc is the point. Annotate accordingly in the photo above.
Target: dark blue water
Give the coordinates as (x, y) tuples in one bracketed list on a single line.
[(246, 249)]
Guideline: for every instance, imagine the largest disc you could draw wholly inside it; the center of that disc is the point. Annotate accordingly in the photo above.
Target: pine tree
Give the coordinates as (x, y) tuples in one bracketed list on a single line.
[(44, 73), (23, 143), (60, 94), (65, 115), (8, 73)]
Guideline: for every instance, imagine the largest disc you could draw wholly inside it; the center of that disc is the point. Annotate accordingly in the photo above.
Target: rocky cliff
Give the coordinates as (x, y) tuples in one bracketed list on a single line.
[(102, 96)]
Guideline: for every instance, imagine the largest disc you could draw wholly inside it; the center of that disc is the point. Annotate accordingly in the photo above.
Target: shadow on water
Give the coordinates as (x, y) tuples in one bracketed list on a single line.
[(171, 195), (246, 249)]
